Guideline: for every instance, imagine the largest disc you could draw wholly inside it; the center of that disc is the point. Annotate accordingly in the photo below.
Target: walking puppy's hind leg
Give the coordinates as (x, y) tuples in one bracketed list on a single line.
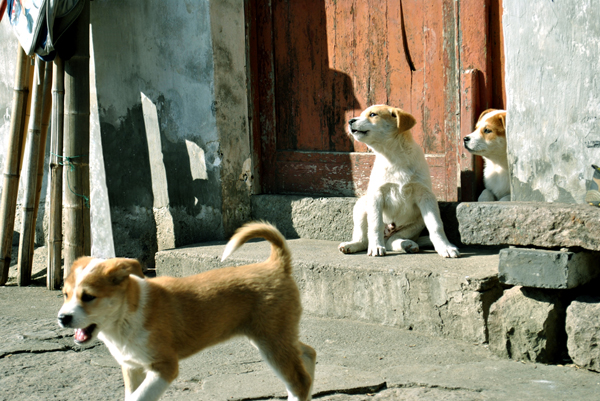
[(293, 364), (309, 359)]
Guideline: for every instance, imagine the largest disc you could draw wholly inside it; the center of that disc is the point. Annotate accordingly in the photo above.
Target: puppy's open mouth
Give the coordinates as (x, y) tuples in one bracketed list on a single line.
[(84, 335), (357, 132)]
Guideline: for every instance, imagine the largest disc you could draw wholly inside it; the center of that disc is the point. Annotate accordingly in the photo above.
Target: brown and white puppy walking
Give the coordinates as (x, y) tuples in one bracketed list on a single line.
[(489, 141), (399, 202), (148, 325)]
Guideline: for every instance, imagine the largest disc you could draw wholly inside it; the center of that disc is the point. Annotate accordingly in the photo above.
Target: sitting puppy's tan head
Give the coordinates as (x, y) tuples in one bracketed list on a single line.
[(96, 292), (489, 137), (378, 123)]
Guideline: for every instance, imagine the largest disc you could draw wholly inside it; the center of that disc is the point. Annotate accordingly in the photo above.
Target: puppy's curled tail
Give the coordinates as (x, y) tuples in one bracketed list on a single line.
[(260, 229)]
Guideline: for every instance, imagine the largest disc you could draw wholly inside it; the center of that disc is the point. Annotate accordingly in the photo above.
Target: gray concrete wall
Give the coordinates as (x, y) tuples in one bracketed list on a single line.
[(169, 127), (552, 51)]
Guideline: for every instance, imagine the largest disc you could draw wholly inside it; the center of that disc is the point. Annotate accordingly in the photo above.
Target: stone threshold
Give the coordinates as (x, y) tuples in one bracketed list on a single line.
[(531, 224)]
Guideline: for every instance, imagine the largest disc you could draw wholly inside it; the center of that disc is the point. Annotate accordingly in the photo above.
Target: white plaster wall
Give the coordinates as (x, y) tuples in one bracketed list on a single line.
[(552, 51)]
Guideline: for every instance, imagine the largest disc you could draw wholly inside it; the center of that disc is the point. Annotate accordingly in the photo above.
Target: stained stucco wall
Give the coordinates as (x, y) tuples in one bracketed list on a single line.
[(552, 51), (8, 55), (169, 123)]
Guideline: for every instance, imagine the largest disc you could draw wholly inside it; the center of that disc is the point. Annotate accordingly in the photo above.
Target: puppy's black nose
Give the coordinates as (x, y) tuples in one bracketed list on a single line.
[(64, 320), (466, 139), (352, 121)]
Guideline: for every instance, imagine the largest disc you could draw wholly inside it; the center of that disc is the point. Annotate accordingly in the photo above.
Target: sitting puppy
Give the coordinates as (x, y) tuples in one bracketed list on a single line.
[(489, 141), (399, 202), (148, 325)]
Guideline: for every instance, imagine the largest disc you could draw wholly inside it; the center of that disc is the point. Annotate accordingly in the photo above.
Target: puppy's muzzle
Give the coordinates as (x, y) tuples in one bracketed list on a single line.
[(466, 139), (352, 129), (65, 320)]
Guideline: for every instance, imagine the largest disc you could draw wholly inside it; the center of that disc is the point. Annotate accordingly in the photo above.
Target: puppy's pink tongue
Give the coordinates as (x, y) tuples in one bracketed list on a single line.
[(81, 335)]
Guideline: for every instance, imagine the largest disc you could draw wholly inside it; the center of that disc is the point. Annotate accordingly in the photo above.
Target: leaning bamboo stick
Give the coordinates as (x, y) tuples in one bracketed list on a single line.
[(14, 156), (46, 112), (31, 72), (45, 123), (33, 148), (53, 277), (77, 145)]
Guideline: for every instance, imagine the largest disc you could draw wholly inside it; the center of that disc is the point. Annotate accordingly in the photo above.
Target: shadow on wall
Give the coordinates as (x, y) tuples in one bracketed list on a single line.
[(305, 97), (129, 186), (158, 185), (153, 151), (186, 210)]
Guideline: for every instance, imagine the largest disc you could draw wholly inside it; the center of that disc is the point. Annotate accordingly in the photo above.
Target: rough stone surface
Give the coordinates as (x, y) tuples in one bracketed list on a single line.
[(527, 324), (328, 218), (547, 269), (583, 331), (547, 225), (422, 292)]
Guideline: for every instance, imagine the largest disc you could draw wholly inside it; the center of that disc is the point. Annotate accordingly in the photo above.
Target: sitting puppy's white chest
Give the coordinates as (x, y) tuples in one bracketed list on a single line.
[(496, 179)]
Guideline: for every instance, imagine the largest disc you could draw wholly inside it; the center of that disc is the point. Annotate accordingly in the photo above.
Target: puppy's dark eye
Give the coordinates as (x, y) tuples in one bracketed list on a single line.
[(85, 297), (372, 115), (487, 131)]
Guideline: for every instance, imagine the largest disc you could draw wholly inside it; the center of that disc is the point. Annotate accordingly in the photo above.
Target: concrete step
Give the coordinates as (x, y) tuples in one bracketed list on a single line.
[(422, 292)]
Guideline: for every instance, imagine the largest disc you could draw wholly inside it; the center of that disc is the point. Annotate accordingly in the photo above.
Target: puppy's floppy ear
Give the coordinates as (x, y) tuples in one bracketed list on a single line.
[(121, 268), (484, 113), (404, 120), (502, 117)]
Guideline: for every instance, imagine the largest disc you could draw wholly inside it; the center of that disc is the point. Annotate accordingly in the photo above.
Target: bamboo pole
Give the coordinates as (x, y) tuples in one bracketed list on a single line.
[(33, 148), (53, 276), (77, 144), (14, 157)]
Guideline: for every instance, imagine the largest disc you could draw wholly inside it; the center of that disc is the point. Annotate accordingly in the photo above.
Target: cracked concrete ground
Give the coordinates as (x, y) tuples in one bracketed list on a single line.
[(356, 361)]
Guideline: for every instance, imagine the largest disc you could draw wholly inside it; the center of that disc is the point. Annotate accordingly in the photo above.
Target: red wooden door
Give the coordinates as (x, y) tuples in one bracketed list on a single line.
[(317, 63)]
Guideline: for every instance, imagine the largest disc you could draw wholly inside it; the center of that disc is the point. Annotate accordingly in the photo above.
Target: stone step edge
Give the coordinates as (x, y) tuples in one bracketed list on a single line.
[(417, 295), (530, 224)]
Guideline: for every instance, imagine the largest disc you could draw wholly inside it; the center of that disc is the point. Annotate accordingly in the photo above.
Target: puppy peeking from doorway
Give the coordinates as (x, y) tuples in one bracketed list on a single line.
[(489, 141)]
